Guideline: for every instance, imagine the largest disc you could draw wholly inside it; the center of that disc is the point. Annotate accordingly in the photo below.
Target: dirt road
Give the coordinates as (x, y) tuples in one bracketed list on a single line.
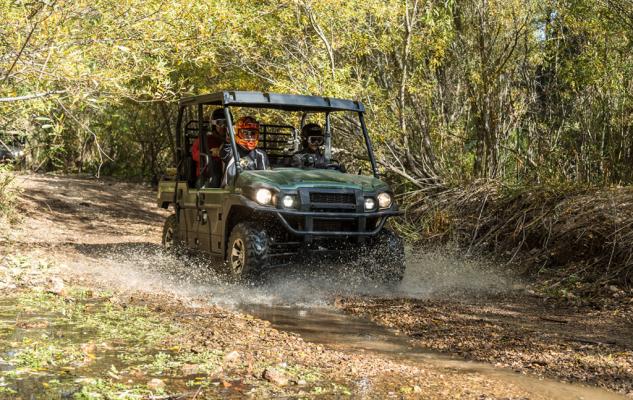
[(285, 338)]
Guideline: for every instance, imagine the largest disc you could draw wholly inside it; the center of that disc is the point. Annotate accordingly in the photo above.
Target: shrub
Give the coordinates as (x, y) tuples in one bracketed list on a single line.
[(8, 194)]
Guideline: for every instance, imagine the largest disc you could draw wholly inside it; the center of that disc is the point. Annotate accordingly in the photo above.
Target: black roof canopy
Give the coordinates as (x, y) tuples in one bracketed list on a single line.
[(287, 102)]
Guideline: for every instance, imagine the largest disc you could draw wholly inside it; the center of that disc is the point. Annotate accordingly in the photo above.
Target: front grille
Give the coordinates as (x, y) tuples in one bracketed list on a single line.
[(325, 225), (330, 209), (336, 198)]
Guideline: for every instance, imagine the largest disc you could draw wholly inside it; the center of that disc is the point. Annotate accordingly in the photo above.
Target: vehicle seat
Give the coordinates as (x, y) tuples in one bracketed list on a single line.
[(213, 174), (216, 172)]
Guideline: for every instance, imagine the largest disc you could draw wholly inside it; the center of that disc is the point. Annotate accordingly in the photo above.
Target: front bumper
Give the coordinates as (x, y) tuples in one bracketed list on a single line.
[(329, 220), (360, 220)]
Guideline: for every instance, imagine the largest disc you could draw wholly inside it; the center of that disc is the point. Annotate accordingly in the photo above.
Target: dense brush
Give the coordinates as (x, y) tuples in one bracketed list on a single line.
[(584, 231)]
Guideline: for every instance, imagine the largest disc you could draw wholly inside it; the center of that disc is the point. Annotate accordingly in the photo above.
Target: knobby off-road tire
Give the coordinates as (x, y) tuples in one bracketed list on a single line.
[(171, 235), (385, 262), (247, 251)]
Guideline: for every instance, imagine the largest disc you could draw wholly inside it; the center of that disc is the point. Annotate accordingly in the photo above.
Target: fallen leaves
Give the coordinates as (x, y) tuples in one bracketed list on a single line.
[(522, 333)]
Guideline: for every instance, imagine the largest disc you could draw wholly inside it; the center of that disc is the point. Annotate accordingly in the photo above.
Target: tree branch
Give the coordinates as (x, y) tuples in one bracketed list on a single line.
[(30, 96), (319, 32)]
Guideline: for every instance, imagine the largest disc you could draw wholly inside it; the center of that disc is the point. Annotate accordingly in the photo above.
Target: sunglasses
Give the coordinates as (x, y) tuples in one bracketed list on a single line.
[(220, 122), (318, 140)]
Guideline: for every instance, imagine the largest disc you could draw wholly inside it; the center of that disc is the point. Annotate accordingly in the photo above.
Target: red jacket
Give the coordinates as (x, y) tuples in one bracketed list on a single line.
[(212, 143)]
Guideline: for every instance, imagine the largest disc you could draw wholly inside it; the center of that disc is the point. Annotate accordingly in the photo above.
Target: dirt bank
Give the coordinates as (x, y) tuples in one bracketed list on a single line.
[(101, 238)]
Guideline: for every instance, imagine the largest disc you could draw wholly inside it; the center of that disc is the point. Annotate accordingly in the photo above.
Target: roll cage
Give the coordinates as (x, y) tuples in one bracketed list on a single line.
[(286, 102)]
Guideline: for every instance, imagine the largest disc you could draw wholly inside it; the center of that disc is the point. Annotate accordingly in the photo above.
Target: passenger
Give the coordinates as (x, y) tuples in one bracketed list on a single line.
[(215, 138), (310, 156), (251, 158)]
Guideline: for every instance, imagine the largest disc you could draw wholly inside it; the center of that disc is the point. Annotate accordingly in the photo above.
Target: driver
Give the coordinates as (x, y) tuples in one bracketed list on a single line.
[(311, 141), (251, 158)]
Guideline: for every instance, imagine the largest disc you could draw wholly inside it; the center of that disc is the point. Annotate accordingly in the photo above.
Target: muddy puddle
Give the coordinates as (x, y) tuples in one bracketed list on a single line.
[(72, 347), (301, 300), (342, 332)]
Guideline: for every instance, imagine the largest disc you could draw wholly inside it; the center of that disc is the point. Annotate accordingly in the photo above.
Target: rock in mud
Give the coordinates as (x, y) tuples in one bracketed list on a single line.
[(56, 286), (156, 384), (275, 376), (231, 357)]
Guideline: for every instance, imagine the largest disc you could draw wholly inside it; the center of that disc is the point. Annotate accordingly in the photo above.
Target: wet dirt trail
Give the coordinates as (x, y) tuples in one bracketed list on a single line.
[(345, 333), (454, 328)]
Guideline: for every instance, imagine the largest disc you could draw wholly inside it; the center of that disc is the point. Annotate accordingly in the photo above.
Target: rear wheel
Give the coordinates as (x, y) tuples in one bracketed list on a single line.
[(247, 251), (385, 262), (171, 236)]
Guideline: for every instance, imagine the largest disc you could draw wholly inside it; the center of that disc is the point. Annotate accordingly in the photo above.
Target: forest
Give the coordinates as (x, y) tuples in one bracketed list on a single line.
[(469, 101), (517, 91)]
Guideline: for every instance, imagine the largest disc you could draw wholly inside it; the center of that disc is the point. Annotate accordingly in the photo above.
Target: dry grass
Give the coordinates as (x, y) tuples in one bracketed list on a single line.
[(588, 232)]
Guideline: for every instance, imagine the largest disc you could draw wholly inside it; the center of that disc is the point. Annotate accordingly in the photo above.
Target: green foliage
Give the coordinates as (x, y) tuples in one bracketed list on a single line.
[(521, 91)]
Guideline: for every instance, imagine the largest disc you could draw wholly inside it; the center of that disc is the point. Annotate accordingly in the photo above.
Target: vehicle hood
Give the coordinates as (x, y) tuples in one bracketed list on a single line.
[(294, 178)]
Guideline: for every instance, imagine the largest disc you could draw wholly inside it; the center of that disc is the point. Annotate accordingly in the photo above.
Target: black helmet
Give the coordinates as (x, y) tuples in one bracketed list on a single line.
[(313, 134), (311, 130), (218, 120), (218, 113)]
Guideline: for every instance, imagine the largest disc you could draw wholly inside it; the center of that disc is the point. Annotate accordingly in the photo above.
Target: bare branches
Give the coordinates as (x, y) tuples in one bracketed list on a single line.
[(17, 57), (31, 96), (317, 28), (100, 151)]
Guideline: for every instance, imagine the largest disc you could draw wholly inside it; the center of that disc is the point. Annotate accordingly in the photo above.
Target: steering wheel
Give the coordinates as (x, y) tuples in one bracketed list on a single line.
[(334, 165)]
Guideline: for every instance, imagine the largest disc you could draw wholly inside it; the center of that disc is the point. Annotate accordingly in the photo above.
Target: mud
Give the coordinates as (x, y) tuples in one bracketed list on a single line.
[(347, 333), (104, 235)]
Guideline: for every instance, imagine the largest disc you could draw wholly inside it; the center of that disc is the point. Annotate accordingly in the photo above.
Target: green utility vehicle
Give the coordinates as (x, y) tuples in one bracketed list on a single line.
[(267, 218)]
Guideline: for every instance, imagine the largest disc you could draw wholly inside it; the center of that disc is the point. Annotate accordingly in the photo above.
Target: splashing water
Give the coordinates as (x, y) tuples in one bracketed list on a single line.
[(444, 271), (146, 266)]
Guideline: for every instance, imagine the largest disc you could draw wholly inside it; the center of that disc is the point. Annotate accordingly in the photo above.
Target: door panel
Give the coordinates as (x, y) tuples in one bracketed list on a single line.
[(208, 212)]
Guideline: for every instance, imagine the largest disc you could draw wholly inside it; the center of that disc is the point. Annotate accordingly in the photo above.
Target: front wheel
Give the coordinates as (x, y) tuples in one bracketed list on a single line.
[(247, 251)]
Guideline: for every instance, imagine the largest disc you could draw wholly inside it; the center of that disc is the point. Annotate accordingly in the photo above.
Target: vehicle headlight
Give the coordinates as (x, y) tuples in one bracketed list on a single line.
[(288, 201), (370, 204), (263, 196), (384, 200)]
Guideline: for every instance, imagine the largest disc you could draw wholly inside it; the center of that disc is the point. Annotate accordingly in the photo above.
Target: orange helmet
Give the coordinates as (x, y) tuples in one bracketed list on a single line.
[(247, 132)]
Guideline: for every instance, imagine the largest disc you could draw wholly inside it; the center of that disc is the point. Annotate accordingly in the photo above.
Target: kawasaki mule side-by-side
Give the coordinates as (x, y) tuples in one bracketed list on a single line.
[(263, 218)]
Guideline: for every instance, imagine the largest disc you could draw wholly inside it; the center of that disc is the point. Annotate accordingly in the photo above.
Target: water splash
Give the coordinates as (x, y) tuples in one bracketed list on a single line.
[(148, 267), (445, 271)]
